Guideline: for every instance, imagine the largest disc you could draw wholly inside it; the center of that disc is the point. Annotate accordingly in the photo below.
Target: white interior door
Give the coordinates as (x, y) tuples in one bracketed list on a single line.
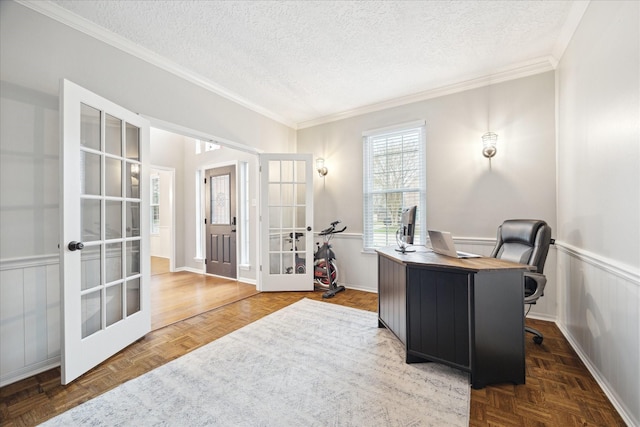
[(286, 188), (105, 229)]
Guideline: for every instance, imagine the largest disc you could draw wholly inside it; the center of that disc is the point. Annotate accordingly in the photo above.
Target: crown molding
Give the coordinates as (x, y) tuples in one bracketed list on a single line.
[(89, 28), (536, 66), (525, 69)]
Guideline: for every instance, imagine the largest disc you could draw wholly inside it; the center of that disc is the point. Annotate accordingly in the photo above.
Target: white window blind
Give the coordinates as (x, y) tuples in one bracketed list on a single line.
[(155, 204), (394, 178)]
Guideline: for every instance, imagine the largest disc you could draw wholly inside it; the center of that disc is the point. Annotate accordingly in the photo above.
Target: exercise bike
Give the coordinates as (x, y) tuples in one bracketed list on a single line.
[(325, 270)]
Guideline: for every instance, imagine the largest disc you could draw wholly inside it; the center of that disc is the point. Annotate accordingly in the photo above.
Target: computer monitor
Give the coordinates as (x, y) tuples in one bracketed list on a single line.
[(407, 229)]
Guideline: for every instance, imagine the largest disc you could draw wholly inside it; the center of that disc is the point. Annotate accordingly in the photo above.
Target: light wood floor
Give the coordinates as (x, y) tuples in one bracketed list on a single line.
[(559, 391), (178, 296)]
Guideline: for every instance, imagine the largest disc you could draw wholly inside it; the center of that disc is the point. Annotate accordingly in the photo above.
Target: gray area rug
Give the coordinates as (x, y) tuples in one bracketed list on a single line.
[(310, 364)]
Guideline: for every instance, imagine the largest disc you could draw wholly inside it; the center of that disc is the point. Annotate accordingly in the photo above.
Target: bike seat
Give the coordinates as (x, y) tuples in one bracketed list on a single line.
[(298, 235)]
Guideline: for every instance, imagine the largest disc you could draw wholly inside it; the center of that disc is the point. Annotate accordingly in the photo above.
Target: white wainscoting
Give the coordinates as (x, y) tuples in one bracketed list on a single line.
[(29, 316), (599, 313)]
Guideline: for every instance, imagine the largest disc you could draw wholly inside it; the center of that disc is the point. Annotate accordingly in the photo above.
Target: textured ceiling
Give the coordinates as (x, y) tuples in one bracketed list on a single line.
[(304, 60)]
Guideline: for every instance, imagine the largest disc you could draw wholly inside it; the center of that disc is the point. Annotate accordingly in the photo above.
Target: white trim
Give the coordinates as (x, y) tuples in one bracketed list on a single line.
[(517, 71), (190, 270), (246, 281), (602, 382), (545, 317), (359, 288), (395, 128), (623, 271), (29, 261), (91, 29), (29, 371), (202, 136)]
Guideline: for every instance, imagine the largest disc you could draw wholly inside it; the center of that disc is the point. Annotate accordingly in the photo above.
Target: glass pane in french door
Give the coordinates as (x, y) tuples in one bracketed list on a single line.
[(110, 220), (287, 217)]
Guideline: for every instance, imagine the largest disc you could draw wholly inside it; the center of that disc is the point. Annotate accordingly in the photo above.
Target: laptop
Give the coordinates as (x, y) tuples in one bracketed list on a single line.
[(442, 243)]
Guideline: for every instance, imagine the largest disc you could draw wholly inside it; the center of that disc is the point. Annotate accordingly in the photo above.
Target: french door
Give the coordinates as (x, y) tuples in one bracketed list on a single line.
[(286, 189), (104, 229)]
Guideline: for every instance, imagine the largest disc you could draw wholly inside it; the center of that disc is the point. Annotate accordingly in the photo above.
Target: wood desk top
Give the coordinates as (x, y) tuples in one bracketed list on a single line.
[(426, 257)]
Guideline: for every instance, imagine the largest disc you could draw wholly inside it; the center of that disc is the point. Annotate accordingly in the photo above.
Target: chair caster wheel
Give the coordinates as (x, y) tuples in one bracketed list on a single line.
[(537, 340)]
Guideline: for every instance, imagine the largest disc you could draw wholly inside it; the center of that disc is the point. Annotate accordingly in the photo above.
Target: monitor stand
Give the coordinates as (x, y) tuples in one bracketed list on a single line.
[(404, 249)]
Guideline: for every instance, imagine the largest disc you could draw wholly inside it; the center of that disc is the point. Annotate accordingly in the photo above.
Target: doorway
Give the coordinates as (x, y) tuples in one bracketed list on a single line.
[(221, 221), (186, 290), (161, 219)]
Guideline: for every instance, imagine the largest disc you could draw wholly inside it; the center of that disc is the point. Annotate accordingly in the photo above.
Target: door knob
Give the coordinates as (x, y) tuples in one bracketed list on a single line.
[(309, 228), (75, 246)]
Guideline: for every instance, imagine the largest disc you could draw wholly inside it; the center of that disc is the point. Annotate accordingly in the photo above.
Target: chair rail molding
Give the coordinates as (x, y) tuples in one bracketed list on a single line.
[(621, 270)]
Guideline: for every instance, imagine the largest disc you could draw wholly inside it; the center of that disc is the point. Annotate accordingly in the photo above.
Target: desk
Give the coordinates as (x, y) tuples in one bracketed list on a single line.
[(465, 313)]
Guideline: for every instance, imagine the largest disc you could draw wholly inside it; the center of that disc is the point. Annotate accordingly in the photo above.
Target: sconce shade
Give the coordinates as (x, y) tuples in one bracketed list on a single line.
[(321, 168), (489, 141)]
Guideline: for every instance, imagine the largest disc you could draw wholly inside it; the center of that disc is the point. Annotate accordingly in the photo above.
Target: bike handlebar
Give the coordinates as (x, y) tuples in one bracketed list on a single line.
[(332, 229)]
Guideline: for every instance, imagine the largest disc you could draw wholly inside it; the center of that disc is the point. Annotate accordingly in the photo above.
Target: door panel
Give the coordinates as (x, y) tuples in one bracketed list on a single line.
[(287, 218), (221, 219), (106, 304)]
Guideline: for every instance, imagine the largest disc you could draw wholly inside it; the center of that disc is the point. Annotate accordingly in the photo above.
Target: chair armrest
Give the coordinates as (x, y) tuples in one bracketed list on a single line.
[(541, 282)]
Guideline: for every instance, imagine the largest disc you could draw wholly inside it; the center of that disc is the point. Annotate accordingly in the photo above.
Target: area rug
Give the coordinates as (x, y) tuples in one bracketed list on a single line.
[(309, 364)]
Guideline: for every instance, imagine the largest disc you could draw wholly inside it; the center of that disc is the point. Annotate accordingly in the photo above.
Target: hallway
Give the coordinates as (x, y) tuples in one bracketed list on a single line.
[(181, 295)]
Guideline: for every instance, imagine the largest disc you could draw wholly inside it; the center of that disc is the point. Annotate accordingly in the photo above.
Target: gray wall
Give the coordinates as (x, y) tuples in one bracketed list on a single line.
[(36, 52), (599, 198), (466, 194)]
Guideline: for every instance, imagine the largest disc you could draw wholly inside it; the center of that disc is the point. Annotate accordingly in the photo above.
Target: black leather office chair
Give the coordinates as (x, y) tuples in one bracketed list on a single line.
[(526, 241)]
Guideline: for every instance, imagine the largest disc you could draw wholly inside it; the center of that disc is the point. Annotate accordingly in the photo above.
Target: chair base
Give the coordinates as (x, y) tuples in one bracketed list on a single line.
[(537, 335)]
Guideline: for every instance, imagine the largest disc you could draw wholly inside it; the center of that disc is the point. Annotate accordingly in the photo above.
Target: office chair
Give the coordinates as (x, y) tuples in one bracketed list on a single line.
[(526, 241)]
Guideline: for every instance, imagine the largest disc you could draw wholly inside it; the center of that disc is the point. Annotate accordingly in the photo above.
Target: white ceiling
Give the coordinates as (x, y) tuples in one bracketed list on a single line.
[(304, 62)]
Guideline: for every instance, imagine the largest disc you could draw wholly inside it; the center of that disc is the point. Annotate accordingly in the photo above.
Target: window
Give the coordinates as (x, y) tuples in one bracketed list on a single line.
[(199, 223), (155, 204), (244, 214), (394, 178), (208, 146)]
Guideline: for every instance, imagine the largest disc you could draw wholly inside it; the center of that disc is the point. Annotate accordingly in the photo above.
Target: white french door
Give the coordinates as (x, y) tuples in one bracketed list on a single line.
[(104, 229), (286, 188)]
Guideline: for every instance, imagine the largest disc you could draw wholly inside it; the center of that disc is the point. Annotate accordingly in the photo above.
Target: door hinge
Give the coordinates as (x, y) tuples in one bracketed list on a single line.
[(205, 180), (260, 267), (205, 261), (205, 220)]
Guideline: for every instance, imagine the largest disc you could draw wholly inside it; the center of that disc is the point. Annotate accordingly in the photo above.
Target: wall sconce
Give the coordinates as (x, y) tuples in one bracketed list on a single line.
[(489, 141), (135, 169), (321, 168)]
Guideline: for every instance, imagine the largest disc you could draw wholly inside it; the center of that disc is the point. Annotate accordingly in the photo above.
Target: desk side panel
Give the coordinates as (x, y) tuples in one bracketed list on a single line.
[(392, 300), (499, 328)]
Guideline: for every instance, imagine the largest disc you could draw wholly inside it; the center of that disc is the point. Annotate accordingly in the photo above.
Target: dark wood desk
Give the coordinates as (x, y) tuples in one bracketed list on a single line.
[(465, 313)]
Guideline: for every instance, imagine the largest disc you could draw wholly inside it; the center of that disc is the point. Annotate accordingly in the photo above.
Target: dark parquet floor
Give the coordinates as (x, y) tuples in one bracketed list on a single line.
[(559, 390)]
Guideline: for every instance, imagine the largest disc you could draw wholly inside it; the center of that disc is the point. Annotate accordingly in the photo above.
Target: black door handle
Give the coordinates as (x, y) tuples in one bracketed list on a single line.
[(75, 246)]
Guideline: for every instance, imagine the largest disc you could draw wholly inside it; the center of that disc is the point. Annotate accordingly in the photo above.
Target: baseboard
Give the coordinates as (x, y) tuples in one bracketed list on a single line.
[(604, 385), (189, 269), (359, 288), (29, 371), (545, 317), (247, 281)]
